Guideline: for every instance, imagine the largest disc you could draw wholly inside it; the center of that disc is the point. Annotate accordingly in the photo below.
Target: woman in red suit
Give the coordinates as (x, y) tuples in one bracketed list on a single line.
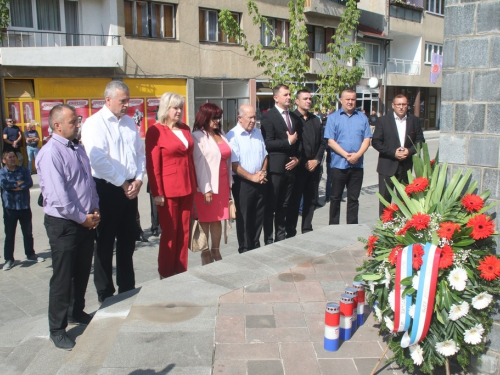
[(172, 180), (212, 160)]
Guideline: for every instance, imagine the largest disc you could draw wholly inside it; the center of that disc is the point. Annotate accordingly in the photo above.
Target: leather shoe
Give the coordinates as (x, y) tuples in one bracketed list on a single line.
[(141, 238), (63, 341), (155, 233), (82, 319)]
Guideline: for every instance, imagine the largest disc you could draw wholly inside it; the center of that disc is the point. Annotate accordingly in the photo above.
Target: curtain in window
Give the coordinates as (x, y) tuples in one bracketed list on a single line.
[(71, 18), (21, 13), (212, 26), (48, 15)]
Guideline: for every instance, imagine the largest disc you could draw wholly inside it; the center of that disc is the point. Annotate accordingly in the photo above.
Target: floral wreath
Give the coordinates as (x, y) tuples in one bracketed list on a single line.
[(433, 213)]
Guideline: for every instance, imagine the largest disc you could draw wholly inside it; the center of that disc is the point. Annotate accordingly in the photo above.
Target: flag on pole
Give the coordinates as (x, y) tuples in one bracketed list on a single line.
[(436, 66)]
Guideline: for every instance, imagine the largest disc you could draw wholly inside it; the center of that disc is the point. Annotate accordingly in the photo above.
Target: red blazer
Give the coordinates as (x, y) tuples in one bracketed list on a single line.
[(169, 164)]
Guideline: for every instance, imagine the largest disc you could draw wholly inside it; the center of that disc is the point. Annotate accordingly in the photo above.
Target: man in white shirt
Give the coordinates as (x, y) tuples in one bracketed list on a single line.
[(116, 154), (249, 164), (395, 138)]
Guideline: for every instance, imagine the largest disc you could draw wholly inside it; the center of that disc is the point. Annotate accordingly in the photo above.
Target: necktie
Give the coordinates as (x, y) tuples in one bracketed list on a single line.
[(288, 123)]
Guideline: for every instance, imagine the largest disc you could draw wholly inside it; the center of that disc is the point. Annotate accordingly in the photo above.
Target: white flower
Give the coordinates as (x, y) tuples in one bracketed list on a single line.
[(387, 277), (415, 281), (389, 323), (378, 313), (417, 354), (372, 286), (474, 335), (447, 348), (411, 311), (458, 311), (482, 300), (392, 299), (458, 279)]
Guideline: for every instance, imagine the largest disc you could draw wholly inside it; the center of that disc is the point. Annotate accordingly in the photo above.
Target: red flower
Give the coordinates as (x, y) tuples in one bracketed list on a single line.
[(418, 185), (432, 162), (388, 212), (447, 229), (420, 221), (393, 256), (446, 259), (371, 245), (403, 230), (482, 226), (472, 202), (418, 252), (489, 267)]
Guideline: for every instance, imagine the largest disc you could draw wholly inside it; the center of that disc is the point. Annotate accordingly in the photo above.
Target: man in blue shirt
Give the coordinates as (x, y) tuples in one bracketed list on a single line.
[(15, 183), (12, 139), (32, 139), (348, 134)]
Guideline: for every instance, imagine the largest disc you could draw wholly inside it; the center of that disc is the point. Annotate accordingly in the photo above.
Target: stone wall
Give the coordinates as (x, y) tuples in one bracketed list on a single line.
[(470, 111)]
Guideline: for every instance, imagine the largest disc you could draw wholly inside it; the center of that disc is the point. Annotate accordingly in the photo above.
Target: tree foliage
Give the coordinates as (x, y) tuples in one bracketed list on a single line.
[(4, 16), (289, 62)]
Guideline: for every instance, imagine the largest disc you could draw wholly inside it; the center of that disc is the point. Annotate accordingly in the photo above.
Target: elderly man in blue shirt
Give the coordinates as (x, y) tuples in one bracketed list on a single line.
[(348, 134), (15, 183), (71, 207)]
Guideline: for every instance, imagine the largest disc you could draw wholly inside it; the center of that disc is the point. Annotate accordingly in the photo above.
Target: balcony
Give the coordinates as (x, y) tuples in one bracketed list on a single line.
[(56, 49), (334, 8), (403, 67), (371, 70)]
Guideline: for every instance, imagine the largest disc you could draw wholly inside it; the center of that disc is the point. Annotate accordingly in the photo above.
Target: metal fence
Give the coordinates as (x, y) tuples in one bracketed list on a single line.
[(20, 38), (400, 66)]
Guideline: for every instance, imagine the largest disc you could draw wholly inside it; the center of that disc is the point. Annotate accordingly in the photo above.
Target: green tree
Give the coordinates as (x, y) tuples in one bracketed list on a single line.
[(289, 63), (340, 72), (282, 62), (4, 16)]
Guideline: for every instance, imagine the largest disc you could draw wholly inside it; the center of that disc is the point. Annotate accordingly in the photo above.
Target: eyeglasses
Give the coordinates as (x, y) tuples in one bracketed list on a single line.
[(216, 118), (400, 104)]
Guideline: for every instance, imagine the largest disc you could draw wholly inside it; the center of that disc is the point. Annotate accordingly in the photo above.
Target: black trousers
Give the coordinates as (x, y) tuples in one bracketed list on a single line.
[(118, 221), (352, 178), (155, 220), (250, 201), (306, 185), (279, 193), (10, 219), (71, 247), (401, 175)]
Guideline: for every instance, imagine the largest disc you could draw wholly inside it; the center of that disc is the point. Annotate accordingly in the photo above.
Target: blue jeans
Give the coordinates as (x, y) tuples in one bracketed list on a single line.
[(32, 153)]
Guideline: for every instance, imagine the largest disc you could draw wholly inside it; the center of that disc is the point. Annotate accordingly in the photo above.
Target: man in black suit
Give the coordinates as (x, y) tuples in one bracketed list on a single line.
[(395, 138), (281, 130), (312, 148)]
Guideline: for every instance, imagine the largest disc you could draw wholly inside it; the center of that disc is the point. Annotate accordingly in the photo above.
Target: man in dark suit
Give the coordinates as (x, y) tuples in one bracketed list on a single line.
[(281, 130), (395, 138), (312, 148)]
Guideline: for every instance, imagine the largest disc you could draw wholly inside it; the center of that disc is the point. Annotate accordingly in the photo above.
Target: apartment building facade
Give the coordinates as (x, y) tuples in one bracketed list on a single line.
[(65, 51), (415, 29)]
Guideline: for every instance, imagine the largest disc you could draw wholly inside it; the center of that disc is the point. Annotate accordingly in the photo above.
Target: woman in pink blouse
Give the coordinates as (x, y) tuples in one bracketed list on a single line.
[(212, 161)]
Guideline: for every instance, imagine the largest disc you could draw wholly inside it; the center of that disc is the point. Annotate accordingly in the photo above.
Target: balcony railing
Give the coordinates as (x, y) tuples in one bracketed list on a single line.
[(18, 38), (400, 66), (371, 69)]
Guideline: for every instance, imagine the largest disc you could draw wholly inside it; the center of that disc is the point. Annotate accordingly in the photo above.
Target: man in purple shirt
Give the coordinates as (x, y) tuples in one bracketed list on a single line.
[(71, 207)]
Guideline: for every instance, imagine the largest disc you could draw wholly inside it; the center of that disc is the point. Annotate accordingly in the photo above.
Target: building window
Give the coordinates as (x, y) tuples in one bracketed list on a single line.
[(279, 28), (405, 13), (47, 14), (372, 54), (429, 49), (318, 38), (435, 6), (149, 19), (210, 30)]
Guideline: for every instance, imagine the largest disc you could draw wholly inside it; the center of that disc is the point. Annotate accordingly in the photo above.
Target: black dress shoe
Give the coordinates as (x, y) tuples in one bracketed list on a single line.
[(82, 319), (155, 232), (141, 238), (63, 341)]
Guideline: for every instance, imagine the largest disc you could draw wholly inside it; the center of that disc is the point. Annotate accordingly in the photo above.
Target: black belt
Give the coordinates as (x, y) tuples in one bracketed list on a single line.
[(101, 181)]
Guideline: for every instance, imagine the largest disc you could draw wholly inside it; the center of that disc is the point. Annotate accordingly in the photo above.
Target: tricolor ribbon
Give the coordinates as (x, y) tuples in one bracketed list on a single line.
[(402, 304), (426, 293)]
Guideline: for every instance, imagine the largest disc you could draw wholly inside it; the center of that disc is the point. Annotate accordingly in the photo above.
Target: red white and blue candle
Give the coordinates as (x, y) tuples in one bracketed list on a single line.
[(359, 286), (332, 320), (346, 307), (354, 293)]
